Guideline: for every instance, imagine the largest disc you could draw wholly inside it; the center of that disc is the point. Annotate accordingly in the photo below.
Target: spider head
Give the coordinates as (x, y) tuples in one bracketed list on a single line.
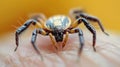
[(58, 34)]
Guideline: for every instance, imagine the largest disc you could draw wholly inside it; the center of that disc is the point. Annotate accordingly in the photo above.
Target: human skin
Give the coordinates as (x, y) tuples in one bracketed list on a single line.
[(107, 54)]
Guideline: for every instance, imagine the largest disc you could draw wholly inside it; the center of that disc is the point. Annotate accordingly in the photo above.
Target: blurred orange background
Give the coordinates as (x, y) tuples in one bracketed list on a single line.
[(12, 10)]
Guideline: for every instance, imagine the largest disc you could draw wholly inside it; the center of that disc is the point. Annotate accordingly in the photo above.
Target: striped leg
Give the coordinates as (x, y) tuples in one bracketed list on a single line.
[(33, 40), (89, 27), (77, 13), (21, 29), (81, 39)]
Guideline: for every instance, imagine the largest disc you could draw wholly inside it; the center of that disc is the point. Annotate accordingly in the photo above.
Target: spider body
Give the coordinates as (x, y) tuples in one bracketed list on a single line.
[(58, 24), (58, 27)]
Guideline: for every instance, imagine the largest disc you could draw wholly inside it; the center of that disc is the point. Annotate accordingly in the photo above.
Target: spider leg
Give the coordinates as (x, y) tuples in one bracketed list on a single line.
[(33, 40), (77, 13), (21, 29), (53, 40), (92, 18), (40, 18), (81, 38), (65, 40), (89, 27)]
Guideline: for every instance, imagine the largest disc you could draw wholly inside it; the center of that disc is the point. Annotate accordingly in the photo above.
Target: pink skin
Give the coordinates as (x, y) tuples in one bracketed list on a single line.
[(106, 56)]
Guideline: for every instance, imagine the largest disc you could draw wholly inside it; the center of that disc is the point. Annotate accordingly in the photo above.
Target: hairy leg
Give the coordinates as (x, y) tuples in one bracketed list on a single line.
[(88, 26), (81, 39), (77, 13), (21, 29)]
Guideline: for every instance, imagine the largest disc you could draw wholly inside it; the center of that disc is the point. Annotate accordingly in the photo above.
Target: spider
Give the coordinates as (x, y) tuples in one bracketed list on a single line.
[(58, 27)]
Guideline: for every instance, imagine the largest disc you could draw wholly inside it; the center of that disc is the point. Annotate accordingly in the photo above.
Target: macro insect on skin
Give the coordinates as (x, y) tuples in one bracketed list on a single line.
[(58, 27)]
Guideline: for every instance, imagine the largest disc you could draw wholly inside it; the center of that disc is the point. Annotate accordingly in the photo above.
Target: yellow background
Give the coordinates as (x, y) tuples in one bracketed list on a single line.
[(12, 10)]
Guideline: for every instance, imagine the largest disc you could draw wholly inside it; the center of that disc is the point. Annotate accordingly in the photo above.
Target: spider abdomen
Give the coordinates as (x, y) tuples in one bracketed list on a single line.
[(58, 22)]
